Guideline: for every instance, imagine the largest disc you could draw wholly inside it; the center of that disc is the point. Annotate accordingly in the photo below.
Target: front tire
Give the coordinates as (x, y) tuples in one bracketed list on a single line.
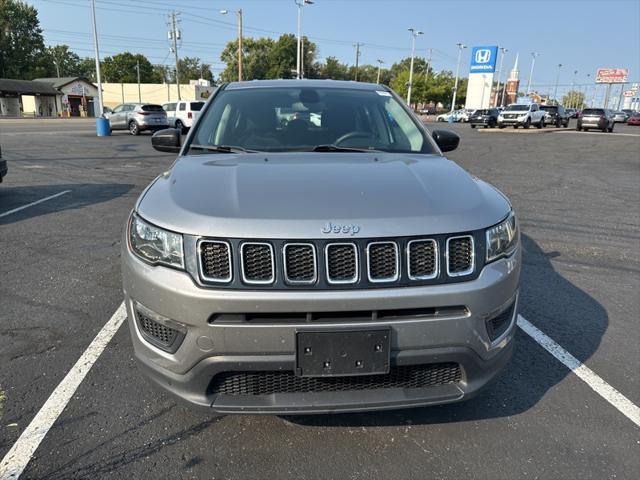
[(527, 124), (611, 129), (472, 126), (180, 126), (134, 129), (540, 124)]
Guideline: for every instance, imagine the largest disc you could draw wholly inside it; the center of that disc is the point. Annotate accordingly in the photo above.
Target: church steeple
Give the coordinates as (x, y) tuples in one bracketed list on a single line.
[(515, 73)]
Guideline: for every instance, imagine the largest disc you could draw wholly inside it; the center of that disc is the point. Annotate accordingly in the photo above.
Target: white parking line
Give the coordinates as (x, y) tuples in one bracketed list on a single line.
[(15, 461), (33, 203), (602, 388)]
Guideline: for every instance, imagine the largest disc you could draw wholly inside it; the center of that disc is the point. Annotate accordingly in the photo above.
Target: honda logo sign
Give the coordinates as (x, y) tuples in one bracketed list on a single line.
[(483, 59)]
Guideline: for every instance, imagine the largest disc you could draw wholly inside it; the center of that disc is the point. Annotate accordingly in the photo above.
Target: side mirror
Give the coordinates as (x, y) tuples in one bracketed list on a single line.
[(167, 140), (447, 140)]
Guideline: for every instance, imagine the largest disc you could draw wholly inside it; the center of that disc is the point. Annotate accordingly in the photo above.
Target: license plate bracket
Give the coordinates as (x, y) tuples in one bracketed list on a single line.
[(342, 353)]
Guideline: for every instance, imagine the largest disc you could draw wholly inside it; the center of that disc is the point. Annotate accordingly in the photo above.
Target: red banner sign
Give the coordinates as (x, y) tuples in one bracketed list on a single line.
[(612, 75)]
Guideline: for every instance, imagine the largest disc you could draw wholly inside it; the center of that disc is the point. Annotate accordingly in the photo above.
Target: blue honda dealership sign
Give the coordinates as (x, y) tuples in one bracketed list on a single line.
[(483, 59)]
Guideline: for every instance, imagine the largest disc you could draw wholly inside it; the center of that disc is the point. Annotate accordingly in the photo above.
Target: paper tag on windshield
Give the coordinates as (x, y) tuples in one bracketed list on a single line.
[(383, 93)]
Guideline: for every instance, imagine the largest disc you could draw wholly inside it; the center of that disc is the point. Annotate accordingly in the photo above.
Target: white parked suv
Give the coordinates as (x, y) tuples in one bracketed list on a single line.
[(521, 115), (182, 114)]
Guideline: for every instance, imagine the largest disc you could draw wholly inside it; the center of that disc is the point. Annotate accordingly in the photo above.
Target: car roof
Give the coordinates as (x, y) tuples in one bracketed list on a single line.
[(305, 83)]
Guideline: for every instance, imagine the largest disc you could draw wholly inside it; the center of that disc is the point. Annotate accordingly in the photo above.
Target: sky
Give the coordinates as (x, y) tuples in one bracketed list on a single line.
[(582, 35)]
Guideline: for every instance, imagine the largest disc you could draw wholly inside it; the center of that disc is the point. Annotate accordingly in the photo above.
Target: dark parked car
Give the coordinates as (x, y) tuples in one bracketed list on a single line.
[(3, 166), (486, 117), (599, 118), (555, 115)]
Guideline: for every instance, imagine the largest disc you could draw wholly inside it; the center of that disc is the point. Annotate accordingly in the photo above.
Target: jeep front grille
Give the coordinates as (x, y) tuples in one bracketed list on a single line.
[(300, 264), (422, 256), (460, 256), (326, 264), (215, 260), (257, 262), (382, 261), (342, 263)]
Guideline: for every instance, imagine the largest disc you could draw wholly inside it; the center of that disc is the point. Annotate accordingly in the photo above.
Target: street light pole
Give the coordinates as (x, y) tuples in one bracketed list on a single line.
[(138, 72), (380, 62), (240, 56), (555, 91), (533, 62), (97, 54), (572, 96), (495, 100), (300, 4), (455, 86), (414, 34)]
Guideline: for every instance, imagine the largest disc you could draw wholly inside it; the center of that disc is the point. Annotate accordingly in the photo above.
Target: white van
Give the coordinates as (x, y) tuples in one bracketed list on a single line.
[(182, 114)]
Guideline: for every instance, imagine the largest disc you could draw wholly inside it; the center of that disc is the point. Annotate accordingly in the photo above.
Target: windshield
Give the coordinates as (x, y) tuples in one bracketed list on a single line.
[(483, 112), (548, 108), (303, 118), (517, 108)]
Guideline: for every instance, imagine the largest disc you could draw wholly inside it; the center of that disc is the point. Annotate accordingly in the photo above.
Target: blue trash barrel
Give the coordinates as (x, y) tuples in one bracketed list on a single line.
[(102, 127), (450, 119)]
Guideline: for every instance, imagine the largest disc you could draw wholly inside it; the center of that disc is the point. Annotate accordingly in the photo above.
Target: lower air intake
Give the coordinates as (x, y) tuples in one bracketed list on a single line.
[(268, 383)]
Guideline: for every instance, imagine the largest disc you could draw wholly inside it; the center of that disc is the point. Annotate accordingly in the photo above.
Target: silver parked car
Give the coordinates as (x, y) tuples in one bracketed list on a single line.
[(620, 116), (299, 266), (137, 117)]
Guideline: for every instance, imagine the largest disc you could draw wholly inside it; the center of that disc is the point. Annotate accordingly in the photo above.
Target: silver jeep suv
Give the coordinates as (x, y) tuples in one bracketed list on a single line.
[(312, 250)]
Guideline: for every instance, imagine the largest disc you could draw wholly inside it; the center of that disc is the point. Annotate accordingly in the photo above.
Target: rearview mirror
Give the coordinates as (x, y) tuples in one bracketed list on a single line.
[(167, 140), (447, 140)]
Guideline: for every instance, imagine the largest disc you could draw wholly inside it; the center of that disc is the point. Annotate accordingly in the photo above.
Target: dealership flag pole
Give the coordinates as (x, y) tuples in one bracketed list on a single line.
[(97, 54)]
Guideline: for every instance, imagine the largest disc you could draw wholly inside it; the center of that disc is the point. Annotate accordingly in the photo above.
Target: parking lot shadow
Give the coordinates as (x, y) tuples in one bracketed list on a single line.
[(77, 196), (552, 303)]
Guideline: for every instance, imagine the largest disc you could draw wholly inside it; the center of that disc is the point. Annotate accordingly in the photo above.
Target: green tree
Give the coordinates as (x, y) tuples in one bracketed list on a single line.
[(87, 68), (21, 42), (333, 69), (574, 99), (122, 68), (264, 58), (191, 68), (59, 61), (255, 59)]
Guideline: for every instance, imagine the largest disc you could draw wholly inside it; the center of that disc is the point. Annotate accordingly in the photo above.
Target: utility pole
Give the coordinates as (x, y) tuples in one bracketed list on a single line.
[(300, 4), (533, 62), (138, 70), (414, 35), (455, 86), (357, 45), (240, 45), (174, 35), (426, 77), (495, 100), (55, 62), (555, 90), (380, 62), (97, 54), (572, 96)]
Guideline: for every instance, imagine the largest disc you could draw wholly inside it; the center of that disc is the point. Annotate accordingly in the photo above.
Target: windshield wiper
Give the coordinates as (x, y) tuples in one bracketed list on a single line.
[(336, 148), (221, 148)]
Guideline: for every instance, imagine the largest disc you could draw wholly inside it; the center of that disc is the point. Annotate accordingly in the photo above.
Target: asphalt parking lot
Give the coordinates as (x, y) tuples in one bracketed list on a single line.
[(577, 196)]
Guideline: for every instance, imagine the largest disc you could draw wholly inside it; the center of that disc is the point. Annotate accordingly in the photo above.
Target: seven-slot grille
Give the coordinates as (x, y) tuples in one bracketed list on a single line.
[(300, 263), (342, 263), (383, 262), (215, 261), (357, 263), (460, 257), (257, 262)]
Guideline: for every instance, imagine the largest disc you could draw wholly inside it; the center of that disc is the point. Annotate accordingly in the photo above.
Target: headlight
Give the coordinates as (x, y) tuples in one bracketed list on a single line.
[(502, 239), (154, 244)]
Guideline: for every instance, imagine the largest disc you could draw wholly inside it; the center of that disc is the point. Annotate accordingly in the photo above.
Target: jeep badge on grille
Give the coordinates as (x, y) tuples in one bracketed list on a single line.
[(337, 228)]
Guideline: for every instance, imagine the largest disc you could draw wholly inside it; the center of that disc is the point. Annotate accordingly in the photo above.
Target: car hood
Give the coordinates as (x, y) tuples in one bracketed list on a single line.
[(295, 195)]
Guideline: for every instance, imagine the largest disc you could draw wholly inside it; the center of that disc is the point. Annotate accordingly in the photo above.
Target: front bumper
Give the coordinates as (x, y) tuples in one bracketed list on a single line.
[(211, 349), (511, 121)]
